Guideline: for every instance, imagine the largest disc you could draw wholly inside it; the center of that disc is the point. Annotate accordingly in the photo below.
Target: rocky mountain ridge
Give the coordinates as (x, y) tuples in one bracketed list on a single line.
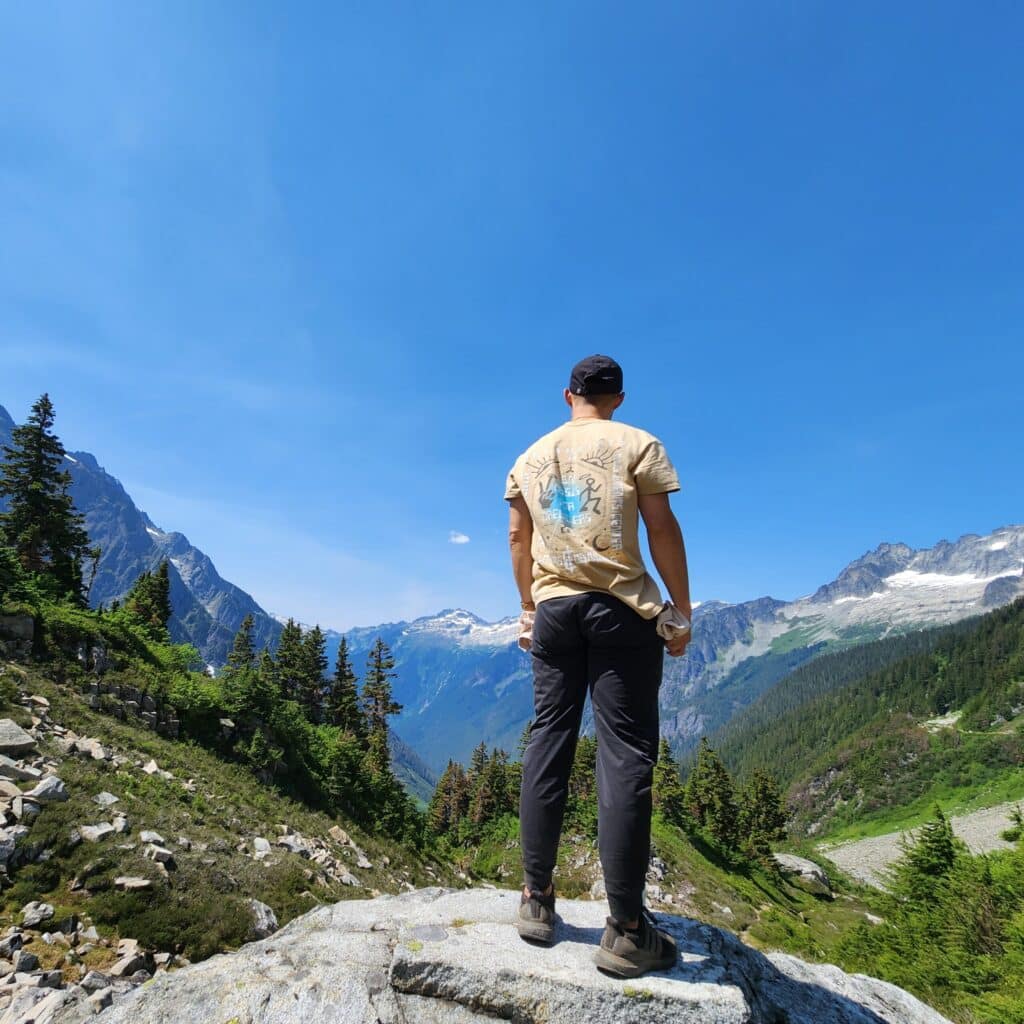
[(207, 609), (462, 679)]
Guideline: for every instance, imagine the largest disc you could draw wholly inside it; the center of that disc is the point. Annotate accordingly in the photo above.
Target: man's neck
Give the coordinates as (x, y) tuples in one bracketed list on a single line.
[(589, 412)]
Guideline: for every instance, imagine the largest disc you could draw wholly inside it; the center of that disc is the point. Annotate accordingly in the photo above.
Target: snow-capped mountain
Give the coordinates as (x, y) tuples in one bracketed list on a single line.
[(462, 679)]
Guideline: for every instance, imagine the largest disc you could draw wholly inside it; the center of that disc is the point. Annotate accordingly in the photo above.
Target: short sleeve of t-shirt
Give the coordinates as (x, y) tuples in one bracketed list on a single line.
[(654, 472), (512, 489)]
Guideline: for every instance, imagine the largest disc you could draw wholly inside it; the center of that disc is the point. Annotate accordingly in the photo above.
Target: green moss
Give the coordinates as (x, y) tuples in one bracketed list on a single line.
[(642, 994)]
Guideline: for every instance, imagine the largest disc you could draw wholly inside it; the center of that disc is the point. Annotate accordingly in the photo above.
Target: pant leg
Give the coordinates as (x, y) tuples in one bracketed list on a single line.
[(559, 693), (624, 674)]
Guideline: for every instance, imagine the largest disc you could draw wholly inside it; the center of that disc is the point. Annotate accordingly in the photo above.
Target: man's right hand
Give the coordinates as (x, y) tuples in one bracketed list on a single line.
[(676, 647)]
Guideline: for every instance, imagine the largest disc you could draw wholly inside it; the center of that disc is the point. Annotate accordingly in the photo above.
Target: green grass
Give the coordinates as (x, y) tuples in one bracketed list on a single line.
[(202, 908)]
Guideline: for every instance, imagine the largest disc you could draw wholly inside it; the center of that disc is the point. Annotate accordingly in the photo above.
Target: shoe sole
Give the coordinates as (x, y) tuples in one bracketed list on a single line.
[(622, 968), (536, 931)]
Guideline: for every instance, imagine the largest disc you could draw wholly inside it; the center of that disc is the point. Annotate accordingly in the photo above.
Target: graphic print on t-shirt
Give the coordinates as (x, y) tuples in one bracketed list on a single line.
[(578, 494)]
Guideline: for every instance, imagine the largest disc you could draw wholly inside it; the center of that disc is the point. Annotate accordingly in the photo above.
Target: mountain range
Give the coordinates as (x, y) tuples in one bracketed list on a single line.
[(462, 680)]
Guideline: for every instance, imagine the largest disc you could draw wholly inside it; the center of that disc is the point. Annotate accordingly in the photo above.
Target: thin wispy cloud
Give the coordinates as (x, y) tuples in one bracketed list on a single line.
[(457, 538)]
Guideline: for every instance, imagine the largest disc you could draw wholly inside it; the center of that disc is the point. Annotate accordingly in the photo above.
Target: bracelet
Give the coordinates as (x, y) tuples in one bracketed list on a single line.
[(527, 606)]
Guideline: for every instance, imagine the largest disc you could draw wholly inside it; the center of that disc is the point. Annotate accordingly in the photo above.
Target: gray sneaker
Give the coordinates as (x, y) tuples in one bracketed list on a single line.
[(536, 918), (628, 954)]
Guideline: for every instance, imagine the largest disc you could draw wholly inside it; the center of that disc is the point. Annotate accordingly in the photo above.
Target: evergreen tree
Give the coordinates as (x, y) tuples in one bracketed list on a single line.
[(378, 705), (243, 651), (581, 806), (710, 796), (314, 668), (41, 523), (149, 602), (524, 739), (477, 764), (928, 857), (668, 792), (491, 797), (290, 661), (762, 817), (441, 811), (343, 708), (347, 782)]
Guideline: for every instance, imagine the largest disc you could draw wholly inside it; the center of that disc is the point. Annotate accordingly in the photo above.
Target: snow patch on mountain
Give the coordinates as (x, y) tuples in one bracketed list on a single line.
[(464, 629)]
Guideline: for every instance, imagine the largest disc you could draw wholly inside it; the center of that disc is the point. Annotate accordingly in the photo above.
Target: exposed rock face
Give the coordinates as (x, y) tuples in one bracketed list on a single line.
[(811, 876), (13, 739), (434, 956)]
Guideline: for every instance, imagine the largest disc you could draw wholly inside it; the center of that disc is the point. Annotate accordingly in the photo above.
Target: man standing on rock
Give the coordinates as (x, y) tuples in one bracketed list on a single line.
[(594, 621)]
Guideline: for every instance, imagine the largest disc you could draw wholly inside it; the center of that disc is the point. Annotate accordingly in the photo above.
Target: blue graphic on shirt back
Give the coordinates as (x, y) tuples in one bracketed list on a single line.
[(569, 503)]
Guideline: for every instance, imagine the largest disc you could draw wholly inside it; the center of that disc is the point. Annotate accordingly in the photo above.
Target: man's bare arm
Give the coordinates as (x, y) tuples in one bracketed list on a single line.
[(520, 542), (668, 551)]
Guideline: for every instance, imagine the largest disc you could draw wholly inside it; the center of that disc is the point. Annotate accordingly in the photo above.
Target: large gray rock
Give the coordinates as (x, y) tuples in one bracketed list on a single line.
[(811, 876), (13, 739), (50, 790), (433, 956)]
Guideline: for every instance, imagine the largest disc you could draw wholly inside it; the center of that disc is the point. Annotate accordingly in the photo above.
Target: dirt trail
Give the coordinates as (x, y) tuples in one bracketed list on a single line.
[(866, 859)]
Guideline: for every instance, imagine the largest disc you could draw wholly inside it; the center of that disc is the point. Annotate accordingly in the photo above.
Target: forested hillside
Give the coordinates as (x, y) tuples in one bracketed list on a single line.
[(853, 742)]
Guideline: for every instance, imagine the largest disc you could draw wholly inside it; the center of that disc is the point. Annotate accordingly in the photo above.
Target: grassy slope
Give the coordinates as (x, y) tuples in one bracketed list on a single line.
[(201, 905)]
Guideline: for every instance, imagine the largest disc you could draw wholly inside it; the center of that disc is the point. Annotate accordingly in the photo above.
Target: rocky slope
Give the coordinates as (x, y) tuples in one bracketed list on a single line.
[(867, 860), (124, 853), (434, 956)]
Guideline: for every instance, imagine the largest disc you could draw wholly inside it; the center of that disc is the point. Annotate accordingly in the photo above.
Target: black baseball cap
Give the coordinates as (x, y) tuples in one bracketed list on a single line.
[(596, 375)]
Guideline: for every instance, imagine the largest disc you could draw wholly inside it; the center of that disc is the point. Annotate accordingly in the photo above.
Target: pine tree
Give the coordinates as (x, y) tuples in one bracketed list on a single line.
[(581, 806), (440, 819), (378, 705), (762, 817), (343, 708), (669, 795), (347, 782), (710, 796), (41, 523), (524, 739), (477, 764), (243, 651), (928, 857), (289, 661), (491, 798), (149, 603), (314, 668)]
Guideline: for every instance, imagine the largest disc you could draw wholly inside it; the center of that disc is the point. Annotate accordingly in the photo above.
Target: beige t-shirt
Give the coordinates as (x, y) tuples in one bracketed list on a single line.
[(581, 483)]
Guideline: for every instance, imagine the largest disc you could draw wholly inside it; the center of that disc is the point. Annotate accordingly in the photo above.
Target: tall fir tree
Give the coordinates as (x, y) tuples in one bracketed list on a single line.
[(343, 708), (290, 661), (314, 668), (668, 793), (762, 813), (243, 649), (379, 705), (442, 812), (711, 796), (41, 523)]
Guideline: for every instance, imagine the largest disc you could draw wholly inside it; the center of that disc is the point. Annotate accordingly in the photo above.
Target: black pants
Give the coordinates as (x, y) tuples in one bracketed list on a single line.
[(593, 642)]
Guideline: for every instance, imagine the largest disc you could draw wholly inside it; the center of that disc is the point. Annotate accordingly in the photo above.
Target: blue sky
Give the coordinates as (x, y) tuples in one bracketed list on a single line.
[(307, 277)]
